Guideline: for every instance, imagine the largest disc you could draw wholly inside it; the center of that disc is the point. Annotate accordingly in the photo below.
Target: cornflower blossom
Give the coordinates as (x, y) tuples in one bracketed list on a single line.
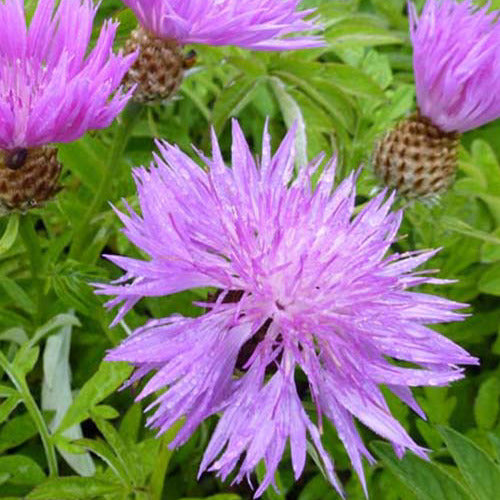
[(301, 284), (456, 60), (167, 25), (253, 24), (51, 90)]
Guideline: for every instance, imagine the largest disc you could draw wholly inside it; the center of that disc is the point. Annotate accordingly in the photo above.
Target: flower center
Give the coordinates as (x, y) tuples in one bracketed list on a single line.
[(248, 348)]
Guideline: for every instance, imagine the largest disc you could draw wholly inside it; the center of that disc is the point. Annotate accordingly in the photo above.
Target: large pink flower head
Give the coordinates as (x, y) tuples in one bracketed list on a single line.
[(457, 63), (51, 90), (254, 24), (302, 284)]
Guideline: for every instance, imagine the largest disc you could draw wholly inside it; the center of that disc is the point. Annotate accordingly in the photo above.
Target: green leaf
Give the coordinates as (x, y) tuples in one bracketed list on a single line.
[(74, 488), (318, 489), (487, 403), (223, 496), (10, 234), (105, 411), (105, 381), (125, 454), (16, 431), (271, 493), (22, 470), (482, 474), (105, 453), (495, 441), (233, 99), (462, 227), (358, 33), (16, 335), (19, 297), (292, 114), (352, 81), (425, 479), (9, 405), (490, 280), (25, 359), (85, 158), (131, 423), (163, 459), (59, 321)]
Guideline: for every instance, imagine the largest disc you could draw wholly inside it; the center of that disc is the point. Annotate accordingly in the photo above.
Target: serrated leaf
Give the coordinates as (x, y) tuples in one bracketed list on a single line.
[(482, 474), (74, 488), (425, 479)]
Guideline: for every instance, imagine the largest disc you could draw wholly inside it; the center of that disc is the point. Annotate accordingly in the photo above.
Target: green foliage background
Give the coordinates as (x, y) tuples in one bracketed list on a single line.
[(65, 430)]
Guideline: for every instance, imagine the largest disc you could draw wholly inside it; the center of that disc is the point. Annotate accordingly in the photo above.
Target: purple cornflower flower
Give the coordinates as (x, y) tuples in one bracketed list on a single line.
[(456, 58), (254, 24), (302, 284), (50, 90)]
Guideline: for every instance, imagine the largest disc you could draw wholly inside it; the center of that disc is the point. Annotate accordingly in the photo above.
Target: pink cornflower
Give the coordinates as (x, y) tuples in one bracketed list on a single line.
[(52, 89), (167, 25), (254, 24), (302, 283), (456, 59)]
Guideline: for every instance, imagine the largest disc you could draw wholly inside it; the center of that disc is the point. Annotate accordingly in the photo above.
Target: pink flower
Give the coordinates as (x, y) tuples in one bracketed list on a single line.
[(456, 58), (51, 90), (254, 24), (303, 283)]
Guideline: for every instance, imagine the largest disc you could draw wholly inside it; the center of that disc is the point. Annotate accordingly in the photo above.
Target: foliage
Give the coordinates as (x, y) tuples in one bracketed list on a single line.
[(65, 430)]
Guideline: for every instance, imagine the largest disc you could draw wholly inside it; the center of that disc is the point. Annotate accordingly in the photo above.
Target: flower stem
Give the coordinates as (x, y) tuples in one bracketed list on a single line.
[(35, 413), (129, 118), (32, 244)]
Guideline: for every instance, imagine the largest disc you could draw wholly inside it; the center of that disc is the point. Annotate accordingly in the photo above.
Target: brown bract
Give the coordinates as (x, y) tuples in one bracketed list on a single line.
[(28, 177), (159, 68), (417, 158)]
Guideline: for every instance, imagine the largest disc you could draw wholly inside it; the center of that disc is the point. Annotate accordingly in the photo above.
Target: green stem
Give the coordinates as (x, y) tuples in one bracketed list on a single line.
[(129, 119), (32, 244), (34, 412)]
